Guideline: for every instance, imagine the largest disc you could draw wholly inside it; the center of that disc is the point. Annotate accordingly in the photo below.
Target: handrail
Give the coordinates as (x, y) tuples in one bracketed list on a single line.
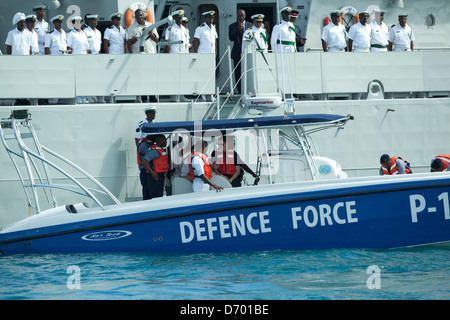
[(28, 155)]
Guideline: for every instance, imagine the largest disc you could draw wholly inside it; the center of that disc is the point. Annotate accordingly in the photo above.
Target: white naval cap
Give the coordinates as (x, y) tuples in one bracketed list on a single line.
[(258, 17), (209, 13), (92, 17), (378, 10), (286, 10), (19, 16), (57, 18), (178, 13), (39, 6), (77, 18), (185, 19), (116, 15), (30, 17)]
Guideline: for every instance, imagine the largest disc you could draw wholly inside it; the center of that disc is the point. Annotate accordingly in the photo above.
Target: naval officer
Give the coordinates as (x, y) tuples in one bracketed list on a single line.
[(56, 41), (283, 34), (114, 38), (30, 21), (150, 114), (177, 32), (334, 36), (77, 41), (256, 33), (41, 26), (205, 36), (359, 34), (94, 36), (379, 33), (401, 36)]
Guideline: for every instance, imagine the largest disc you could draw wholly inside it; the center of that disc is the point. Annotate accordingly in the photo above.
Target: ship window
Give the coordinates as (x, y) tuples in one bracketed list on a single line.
[(430, 20)]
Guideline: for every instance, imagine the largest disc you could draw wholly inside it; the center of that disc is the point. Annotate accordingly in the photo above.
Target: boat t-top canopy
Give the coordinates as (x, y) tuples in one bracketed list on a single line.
[(248, 123)]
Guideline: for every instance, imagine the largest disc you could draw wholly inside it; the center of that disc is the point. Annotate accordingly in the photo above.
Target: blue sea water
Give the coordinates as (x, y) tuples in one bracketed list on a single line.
[(421, 273)]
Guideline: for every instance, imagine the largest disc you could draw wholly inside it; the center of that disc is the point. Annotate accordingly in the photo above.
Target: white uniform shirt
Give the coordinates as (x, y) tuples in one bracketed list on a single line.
[(78, 41), (116, 38), (197, 165), (34, 40), (19, 41), (257, 36), (379, 36), (56, 41), (401, 38), (207, 38), (335, 36), (136, 30), (283, 37), (176, 33), (94, 38), (361, 37), (41, 29)]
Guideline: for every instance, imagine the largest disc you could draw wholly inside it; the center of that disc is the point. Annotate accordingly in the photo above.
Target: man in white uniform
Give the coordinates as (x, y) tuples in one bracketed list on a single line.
[(334, 36), (135, 31), (283, 34), (56, 41), (401, 36), (18, 43), (30, 21), (177, 32), (205, 36), (379, 33), (41, 26), (185, 22), (359, 34), (77, 41), (94, 36), (114, 38), (256, 35)]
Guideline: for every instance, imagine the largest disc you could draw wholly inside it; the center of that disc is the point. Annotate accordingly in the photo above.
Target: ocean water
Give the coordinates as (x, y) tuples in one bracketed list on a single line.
[(421, 273)]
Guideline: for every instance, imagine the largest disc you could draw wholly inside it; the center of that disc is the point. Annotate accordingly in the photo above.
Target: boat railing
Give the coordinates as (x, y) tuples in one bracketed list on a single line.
[(21, 118)]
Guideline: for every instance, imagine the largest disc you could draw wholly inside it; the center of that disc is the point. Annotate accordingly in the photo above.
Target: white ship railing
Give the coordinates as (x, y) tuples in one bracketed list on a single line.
[(29, 155)]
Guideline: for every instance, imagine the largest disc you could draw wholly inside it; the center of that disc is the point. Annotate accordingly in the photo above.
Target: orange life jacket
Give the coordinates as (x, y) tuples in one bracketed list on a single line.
[(227, 165), (139, 160), (161, 164), (445, 160), (393, 169), (206, 167)]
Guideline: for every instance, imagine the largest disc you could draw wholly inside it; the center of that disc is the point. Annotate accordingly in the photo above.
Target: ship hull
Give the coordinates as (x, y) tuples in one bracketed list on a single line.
[(380, 213)]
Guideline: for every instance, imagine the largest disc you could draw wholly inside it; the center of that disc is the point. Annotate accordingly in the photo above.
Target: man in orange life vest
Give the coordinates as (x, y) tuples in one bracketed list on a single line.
[(226, 161), (153, 165), (441, 163), (393, 165), (202, 170)]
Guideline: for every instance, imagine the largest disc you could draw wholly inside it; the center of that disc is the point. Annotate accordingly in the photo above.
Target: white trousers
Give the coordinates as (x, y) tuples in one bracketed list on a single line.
[(199, 186)]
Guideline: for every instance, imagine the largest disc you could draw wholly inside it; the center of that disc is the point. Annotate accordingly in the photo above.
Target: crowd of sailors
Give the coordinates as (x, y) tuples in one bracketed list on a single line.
[(32, 34)]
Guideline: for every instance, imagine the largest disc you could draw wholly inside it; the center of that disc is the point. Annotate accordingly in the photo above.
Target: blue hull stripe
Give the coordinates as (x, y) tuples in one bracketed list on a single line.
[(216, 207)]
